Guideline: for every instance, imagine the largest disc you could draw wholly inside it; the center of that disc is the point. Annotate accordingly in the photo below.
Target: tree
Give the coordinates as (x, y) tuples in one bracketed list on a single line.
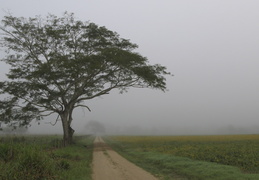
[(95, 127), (58, 63)]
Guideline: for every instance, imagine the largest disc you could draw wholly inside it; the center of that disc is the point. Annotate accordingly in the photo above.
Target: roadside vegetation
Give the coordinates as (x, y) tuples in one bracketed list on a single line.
[(44, 157), (192, 157)]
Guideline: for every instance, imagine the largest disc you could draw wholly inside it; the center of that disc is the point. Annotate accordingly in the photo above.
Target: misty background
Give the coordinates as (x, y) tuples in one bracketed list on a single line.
[(211, 47)]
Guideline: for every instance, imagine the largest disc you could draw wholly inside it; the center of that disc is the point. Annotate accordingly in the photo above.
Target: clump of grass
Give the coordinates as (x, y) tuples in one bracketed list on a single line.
[(79, 158), (6, 152), (35, 165), (30, 158), (27, 162), (63, 164)]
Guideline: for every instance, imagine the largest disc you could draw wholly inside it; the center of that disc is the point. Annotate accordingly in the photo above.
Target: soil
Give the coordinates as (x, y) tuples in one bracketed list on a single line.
[(109, 165)]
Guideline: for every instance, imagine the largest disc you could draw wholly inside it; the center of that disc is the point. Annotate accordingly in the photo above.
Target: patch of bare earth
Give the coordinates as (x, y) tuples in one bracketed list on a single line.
[(109, 165)]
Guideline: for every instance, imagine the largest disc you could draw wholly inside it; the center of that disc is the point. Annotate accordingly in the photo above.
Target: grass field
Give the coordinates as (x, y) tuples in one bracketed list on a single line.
[(168, 157), (43, 157), (193, 157)]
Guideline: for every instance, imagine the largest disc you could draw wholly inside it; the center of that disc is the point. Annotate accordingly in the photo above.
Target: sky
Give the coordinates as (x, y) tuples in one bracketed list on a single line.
[(211, 47)]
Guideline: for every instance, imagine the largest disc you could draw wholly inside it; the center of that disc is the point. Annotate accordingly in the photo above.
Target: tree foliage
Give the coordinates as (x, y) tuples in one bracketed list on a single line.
[(57, 63), (94, 127)]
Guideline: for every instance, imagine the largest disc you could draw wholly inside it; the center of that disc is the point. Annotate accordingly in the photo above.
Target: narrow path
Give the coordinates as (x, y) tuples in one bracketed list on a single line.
[(109, 165)]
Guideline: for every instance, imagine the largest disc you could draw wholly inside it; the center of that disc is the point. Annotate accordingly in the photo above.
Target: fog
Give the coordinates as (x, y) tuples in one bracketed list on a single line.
[(211, 47)]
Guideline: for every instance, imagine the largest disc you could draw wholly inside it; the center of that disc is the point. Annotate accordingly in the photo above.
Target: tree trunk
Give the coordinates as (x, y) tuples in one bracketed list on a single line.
[(71, 133), (67, 130)]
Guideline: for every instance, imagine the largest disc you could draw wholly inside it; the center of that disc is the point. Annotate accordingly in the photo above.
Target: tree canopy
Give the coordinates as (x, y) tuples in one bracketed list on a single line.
[(57, 63)]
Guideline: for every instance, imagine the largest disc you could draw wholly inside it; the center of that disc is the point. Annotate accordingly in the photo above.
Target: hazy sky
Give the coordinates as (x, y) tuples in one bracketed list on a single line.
[(211, 47)]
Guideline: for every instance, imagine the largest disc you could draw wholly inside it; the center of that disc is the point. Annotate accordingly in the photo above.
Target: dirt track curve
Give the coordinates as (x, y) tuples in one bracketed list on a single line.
[(109, 165)]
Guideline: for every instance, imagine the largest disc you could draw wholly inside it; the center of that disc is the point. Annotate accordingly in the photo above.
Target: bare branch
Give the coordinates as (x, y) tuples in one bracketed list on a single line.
[(81, 105), (53, 124)]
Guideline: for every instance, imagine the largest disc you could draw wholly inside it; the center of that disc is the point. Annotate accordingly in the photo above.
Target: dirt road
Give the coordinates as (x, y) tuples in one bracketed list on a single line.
[(109, 165)]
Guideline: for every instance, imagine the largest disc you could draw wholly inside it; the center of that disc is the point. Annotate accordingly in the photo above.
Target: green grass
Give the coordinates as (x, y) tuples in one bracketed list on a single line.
[(79, 158), (170, 166), (37, 157)]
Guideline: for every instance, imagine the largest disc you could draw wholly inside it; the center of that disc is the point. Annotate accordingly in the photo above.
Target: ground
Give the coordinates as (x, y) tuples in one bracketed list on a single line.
[(109, 165)]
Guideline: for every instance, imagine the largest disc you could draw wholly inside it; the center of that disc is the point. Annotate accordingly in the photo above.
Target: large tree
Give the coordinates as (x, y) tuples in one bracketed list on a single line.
[(58, 63)]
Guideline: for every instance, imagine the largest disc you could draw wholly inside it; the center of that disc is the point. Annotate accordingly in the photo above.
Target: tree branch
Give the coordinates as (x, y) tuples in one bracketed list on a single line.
[(81, 105), (53, 124)]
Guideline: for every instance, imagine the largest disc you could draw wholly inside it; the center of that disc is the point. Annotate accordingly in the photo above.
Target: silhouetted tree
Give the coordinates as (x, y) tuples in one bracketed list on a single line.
[(57, 63), (95, 127)]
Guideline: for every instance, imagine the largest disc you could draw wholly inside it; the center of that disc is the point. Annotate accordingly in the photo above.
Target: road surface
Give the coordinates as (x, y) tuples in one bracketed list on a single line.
[(109, 165)]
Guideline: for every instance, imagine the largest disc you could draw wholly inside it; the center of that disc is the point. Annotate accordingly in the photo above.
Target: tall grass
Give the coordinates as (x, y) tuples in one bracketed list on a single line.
[(23, 162), (39, 157)]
